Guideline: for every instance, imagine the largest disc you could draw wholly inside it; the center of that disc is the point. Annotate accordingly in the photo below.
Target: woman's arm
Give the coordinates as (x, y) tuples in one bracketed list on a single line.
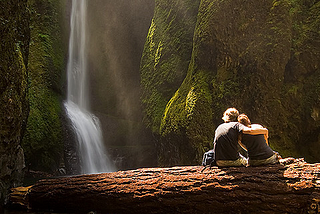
[(266, 139)]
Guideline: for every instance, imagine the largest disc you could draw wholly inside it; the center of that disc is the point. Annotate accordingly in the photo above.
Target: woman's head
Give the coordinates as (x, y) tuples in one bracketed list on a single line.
[(244, 119), (230, 115)]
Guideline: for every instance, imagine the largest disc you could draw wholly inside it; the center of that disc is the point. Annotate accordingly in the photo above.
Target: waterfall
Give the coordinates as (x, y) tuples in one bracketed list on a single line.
[(92, 152)]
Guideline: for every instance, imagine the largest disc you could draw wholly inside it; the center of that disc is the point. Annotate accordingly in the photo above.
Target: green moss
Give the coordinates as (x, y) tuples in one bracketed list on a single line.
[(43, 139), (261, 57), (200, 130), (15, 35), (166, 56), (301, 92), (188, 121), (42, 143)]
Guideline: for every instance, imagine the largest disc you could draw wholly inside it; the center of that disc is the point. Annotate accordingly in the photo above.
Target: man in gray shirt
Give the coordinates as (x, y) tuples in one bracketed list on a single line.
[(225, 143)]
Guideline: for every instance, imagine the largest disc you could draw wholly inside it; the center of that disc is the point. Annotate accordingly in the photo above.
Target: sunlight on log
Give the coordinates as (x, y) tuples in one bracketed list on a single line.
[(290, 187)]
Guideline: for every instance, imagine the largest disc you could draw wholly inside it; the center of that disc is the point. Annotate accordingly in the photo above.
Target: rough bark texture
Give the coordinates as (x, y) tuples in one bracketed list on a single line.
[(290, 188)]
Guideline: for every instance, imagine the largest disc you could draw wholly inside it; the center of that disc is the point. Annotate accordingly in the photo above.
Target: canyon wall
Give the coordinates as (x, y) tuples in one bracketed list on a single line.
[(43, 140), (261, 57), (14, 50), (187, 61), (31, 88)]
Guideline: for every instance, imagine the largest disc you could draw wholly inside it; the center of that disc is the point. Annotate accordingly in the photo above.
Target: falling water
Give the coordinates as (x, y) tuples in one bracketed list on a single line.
[(85, 124)]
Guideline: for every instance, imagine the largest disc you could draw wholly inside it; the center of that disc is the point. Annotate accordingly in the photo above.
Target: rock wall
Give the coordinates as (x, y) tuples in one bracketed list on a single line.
[(14, 49), (43, 141), (32, 64), (261, 57), (164, 65)]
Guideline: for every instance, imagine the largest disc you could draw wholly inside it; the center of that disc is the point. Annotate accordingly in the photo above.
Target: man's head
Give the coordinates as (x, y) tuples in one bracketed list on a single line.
[(244, 119), (230, 115)]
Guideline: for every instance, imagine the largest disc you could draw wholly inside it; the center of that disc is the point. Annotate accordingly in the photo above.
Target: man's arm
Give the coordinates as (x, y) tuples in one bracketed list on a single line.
[(255, 130)]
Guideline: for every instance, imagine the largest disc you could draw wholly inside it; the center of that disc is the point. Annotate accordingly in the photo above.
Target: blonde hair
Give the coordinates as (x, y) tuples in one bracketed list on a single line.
[(230, 115)]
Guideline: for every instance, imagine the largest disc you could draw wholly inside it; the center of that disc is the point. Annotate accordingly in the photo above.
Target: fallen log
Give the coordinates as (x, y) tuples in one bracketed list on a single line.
[(290, 187)]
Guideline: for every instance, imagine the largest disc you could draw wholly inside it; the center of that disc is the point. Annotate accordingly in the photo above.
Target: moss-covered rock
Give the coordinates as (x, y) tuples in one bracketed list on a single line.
[(43, 143), (164, 65), (261, 57), (166, 56), (15, 35), (302, 80), (250, 47)]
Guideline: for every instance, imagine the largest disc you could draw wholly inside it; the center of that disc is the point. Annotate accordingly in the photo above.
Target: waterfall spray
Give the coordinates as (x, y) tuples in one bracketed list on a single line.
[(93, 156)]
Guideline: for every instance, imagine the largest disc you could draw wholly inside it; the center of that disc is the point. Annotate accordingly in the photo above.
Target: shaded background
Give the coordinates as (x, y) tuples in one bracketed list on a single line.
[(116, 35)]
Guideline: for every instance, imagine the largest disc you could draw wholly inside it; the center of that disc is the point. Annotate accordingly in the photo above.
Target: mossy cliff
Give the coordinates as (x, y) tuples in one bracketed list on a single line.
[(32, 62), (164, 65), (15, 35), (42, 143), (261, 57)]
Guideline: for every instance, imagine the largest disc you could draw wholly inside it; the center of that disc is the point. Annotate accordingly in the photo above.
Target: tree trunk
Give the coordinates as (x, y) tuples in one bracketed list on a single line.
[(291, 187)]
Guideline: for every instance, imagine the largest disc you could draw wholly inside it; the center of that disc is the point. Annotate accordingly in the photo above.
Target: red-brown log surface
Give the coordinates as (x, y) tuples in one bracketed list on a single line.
[(288, 188)]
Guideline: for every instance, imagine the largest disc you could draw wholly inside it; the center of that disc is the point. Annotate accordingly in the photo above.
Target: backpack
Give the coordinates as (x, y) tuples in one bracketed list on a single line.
[(208, 159)]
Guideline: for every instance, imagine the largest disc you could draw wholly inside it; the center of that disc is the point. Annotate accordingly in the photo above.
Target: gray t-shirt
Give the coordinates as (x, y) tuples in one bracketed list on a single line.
[(226, 141)]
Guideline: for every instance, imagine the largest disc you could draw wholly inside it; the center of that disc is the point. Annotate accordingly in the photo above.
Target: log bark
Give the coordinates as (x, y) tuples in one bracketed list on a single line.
[(290, 187)]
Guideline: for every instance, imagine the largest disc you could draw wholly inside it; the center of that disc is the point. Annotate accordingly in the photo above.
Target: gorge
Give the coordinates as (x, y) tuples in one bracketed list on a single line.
[(161, 73)]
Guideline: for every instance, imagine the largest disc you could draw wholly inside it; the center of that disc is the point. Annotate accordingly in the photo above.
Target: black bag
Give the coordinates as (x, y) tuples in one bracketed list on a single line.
[(208, 159)]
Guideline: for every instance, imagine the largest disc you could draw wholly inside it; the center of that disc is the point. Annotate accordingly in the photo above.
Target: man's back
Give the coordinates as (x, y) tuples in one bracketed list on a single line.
[(226, 141)]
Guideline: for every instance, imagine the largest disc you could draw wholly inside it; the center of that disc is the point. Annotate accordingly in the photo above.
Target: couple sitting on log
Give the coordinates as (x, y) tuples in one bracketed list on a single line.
[(237, 132)]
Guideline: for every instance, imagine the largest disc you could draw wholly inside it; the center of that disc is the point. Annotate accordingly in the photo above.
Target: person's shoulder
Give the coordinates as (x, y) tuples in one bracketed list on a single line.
[(232, 125), (238, 126), (228, 124), (256, 126)]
